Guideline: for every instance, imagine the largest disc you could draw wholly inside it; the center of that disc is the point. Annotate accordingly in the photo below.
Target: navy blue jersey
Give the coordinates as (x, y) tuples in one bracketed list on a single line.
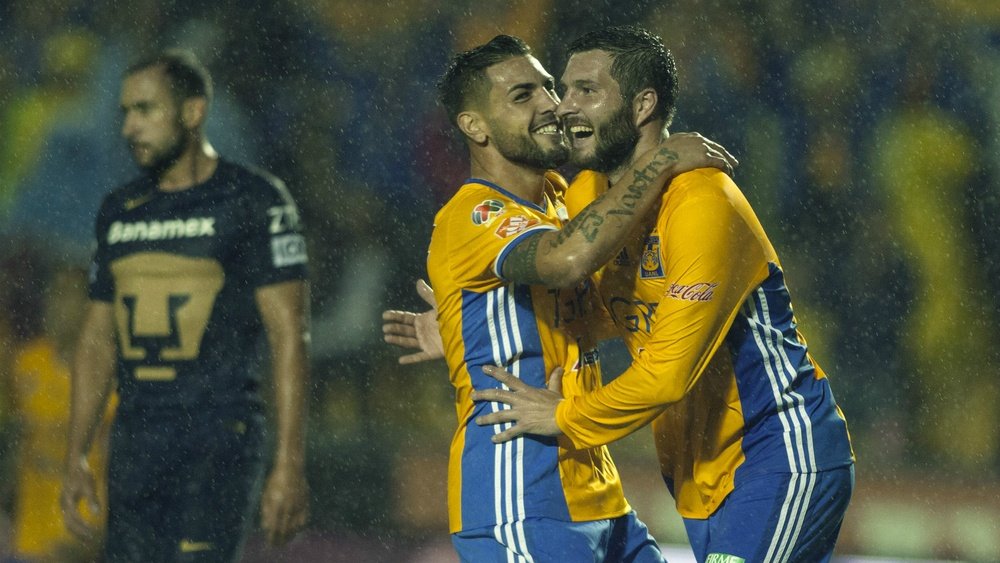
[(181, 269)]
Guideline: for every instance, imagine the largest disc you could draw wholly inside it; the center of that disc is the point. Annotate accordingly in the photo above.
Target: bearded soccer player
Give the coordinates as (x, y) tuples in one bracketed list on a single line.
[(751, 442), (496, 255), (196, 260)]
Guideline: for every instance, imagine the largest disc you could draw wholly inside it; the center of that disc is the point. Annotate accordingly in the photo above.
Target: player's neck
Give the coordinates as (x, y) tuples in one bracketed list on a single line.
[(650, 136), (195, 166), (525, 182)]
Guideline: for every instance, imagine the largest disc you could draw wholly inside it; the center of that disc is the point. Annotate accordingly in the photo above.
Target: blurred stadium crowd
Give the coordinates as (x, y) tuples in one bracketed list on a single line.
[(868, 132)]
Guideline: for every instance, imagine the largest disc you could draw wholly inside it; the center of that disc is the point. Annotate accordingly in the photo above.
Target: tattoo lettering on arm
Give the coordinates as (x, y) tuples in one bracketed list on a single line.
[(589, 222), (520, 266), (643, 180)]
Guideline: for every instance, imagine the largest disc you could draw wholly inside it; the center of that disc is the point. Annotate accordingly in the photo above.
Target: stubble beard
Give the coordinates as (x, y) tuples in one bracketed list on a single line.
[(523, 149), (162, 160), (616, 141)]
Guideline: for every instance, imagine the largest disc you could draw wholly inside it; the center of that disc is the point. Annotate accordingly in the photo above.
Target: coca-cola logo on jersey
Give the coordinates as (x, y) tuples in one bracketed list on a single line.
[(692, 292)]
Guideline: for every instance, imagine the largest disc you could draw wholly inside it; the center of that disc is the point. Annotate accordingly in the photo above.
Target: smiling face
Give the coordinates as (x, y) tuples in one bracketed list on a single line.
[(152, 122), (520, 113), (599, 123)]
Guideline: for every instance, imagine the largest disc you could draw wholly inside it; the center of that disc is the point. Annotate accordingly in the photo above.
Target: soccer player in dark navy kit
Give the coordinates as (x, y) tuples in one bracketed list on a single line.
[(196, 261)]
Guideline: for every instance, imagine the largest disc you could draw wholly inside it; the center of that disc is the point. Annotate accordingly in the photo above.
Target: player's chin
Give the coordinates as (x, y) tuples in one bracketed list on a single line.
[(555, 151), (550, 142), (143, 159), (582, 158)]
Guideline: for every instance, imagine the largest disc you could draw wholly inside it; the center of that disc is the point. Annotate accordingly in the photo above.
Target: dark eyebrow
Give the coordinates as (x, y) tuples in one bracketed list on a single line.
[(522, 85), (141, 104)]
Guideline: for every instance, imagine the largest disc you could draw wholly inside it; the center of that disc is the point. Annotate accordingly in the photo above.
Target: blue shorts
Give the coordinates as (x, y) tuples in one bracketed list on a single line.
[(776, 517), (543, 540)]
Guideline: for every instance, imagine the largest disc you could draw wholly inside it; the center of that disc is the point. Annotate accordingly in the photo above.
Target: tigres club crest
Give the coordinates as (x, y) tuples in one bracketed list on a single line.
[(650, 265), (485, 211)]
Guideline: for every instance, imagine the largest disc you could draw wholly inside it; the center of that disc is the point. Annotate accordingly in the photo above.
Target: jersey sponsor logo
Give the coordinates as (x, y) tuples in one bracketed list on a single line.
[(486, 211), (634, 315), (650, 266), (702, 291), (514, 225), (288, 250), (137, 201), (723, 558), (188, 546), (572, 305), (161, 230), (283, 218)]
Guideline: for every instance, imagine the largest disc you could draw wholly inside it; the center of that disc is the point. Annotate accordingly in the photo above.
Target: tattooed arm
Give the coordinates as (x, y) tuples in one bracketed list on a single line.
[(564, 258)]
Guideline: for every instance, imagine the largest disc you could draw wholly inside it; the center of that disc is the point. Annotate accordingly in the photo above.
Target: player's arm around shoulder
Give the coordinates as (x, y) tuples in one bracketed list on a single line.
[(588, 241), (284, 309)]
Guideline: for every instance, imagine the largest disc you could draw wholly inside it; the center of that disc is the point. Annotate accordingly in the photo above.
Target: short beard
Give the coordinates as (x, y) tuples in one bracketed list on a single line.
[(524, 150), (616, 141), (168, 158)]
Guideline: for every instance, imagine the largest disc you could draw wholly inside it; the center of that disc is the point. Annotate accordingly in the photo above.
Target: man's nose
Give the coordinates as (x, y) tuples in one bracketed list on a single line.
[(566, 106), (128, 126)]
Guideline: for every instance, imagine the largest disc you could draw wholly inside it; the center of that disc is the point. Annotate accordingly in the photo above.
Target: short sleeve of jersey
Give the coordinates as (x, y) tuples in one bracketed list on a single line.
[(483, 226), (275, 247), (101, 285)]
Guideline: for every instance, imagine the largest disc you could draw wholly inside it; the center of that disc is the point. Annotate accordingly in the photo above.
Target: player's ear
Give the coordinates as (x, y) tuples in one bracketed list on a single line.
[(194, 111), (473, 126), (644, 106)]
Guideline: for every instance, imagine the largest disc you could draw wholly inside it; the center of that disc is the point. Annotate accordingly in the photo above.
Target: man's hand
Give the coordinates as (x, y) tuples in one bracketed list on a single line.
[(533, 410), (415, 330), (79, 484), (694, 151), (284, 506)]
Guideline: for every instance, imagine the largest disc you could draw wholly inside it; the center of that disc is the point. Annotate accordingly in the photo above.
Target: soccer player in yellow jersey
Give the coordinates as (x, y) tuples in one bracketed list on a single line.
[(41, 391), (751, 442), (501, 248)]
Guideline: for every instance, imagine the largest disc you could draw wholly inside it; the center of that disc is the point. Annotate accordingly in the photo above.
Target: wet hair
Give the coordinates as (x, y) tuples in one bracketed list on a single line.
[(639, 60), (465, 83), (187, 76)]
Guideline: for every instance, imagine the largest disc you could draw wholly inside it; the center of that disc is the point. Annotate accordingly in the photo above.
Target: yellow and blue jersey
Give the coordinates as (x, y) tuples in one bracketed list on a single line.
[(530, 330), (719, 366)]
